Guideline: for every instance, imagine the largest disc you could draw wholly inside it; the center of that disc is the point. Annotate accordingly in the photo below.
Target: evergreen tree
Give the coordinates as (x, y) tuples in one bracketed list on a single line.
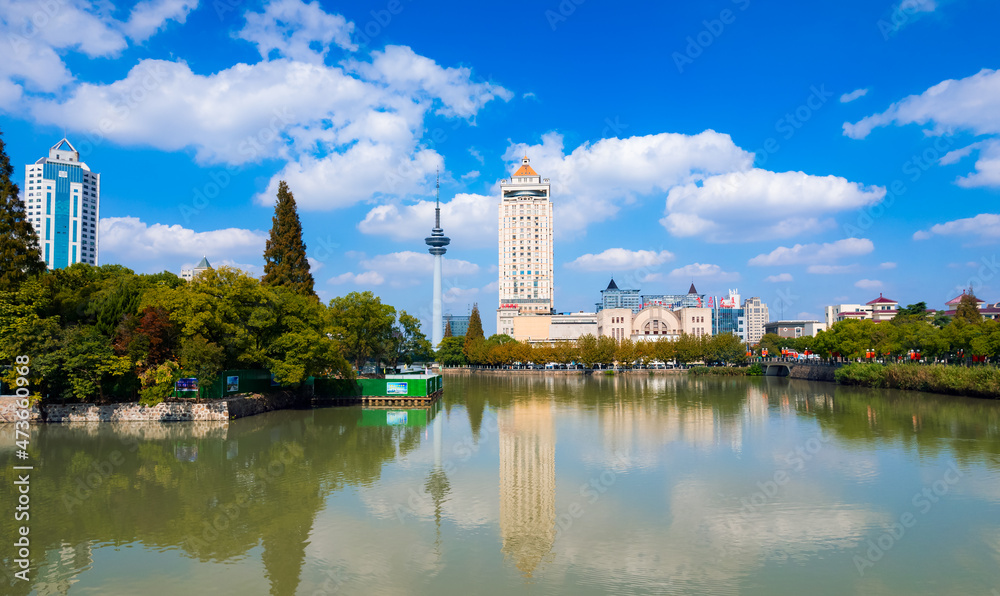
[(474, 338), (285, 262), (968, 308), (447, 329), (20, 257)]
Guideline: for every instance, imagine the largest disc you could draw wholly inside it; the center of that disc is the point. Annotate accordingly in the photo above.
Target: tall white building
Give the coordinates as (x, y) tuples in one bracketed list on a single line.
[(756, 316), (525, 247), (63, 199)]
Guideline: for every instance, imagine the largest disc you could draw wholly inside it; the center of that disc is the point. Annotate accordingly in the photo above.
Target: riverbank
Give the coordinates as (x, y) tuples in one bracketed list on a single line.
[(229, 408), (977, 381), (546, 372)]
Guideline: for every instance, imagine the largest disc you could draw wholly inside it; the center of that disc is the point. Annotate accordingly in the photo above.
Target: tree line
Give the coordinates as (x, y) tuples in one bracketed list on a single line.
[(503, 350)]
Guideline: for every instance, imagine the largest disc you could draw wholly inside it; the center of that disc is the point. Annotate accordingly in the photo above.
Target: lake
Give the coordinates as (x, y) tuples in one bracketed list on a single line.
[(527, 484)]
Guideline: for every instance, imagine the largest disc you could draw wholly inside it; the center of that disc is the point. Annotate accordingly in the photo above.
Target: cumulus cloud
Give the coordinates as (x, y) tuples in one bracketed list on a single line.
[(805, 254), (971, 104), (704, 271), (595, 180), (761, 205), (984, 227), (470, 220), (368, 278), (887, 265), (781, 277), (346, 133), (849, 97), (296, 30), (150, 16), (129, 239), (416, 263), (868, 284), (620, 259)]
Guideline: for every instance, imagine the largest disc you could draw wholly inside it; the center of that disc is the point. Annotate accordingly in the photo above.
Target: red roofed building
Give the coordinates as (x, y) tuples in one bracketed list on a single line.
[(989, 311), (882, 308)]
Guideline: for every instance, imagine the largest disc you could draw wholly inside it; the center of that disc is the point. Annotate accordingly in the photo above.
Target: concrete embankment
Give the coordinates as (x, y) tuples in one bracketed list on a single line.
[(236, 406), (507, 373)]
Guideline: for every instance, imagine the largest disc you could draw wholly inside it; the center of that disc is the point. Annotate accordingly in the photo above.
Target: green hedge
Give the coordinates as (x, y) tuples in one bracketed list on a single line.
[(977, 381), (728, 371)]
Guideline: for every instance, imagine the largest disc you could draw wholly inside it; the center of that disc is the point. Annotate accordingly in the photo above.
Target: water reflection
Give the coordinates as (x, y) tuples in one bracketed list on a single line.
[(702, 486)]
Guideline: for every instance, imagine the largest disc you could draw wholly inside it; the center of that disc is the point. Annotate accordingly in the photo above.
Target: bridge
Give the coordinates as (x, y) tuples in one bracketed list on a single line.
[(813, 371)]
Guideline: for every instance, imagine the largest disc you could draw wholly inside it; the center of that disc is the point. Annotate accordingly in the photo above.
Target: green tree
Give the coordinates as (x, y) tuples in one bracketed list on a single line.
[(968, 309), (447, 329), (475, 330), (689, 348), (20, 257), (586, 346), (451, 352), (362, 325), (285, 262), (409, 344), (920, 308)]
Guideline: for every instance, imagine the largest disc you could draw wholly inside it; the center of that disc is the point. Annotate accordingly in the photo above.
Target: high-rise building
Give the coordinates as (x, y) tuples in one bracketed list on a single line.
[(525, 246), (756, 315), (63, 200), (615, 297), (459, 324)]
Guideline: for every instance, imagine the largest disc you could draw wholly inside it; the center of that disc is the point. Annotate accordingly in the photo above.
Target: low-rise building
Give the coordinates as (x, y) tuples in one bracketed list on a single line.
[(189, 274), (879, 309), (989, 311), (794, 329)]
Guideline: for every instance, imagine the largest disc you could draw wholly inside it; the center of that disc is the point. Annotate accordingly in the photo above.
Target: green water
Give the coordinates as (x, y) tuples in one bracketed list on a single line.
[(540, 485)]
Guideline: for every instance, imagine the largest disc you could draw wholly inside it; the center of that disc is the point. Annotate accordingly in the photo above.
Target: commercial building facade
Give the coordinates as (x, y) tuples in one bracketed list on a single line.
[(525, 251), (794, 329), (63, 203), (756, 316)]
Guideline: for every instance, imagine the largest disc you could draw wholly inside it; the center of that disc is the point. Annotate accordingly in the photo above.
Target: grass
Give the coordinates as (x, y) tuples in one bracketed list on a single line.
[(977, 381), (728, 371)]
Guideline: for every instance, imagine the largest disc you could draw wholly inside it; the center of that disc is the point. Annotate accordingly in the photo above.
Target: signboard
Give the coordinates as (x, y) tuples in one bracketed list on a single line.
[(232, 383), (395, 418), (189, 384), (396, 388)]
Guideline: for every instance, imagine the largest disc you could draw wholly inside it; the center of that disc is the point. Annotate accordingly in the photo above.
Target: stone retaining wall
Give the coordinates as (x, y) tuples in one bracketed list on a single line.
[(812, 372), (237, 406)]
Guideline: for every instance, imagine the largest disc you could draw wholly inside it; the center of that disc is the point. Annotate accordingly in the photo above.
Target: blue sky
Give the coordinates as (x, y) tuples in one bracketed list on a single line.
[(804, 154)]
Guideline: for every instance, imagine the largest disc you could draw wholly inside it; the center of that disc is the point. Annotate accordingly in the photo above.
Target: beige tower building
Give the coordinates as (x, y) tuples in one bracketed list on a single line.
[(757, 316), (525, 247), (527, 484)]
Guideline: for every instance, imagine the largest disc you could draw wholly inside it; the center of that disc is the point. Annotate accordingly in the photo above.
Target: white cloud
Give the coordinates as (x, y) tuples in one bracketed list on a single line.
[(985, 226), (128, 239), (314, 265), (831, 269), (591, 183), (970, 104), (804, 254), (149, 16), (704, 271), (762, 205), (470, 175), (296, 30), (849, 97), (402, 69), (868, 284), (470, 220), (620, 259), (368, 278), (887, 265), (781, 277)]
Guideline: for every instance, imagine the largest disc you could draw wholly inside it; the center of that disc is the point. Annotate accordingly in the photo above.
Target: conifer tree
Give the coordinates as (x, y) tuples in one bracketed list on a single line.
[(475, 331), (285, 262), (447, 329), (20, 257)]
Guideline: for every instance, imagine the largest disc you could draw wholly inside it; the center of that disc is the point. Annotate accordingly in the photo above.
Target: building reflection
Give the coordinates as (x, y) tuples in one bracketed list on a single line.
[(527, 484)]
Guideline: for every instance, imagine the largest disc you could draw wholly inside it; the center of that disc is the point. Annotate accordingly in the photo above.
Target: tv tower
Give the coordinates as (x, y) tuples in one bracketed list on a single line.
[(437, 243)]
